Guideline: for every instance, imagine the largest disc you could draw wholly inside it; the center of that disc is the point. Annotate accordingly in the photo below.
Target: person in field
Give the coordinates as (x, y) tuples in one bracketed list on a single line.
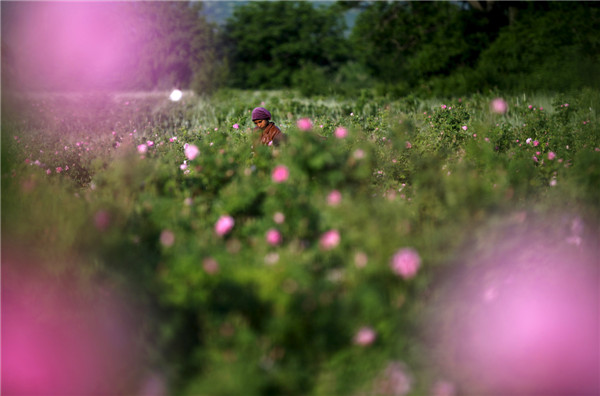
[(270, 134)]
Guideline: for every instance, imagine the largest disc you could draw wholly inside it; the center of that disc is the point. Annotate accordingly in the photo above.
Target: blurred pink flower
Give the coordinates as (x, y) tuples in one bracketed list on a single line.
[(167, 238), (224, 225), (210, 265), (406, 263), (361, 259), (334, 198), (365, 336), (499, 106), (142, 148), (102, 220), (443, 388), (330, 239), (273, 237), (535, 143), (304, 124), (359, 154), (191, 151), (394, 380), (464, 127), (278, 217), (59, 169), (444, 107), (280, 174), (236, 126), (150, 143), (534, 158), (341, 132), (48, 171), (408, 145)]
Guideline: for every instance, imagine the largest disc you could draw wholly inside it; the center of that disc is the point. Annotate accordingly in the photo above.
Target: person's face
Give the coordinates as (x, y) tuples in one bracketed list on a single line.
[(262, 124)]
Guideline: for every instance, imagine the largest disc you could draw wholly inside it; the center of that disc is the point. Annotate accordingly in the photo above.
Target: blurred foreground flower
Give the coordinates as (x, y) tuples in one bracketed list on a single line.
[(280, 174), (406, 263), (273, 237), (142, 148), (499, 106), (191, 151), (365, 336), (395, 380), (167, 238), (224, 225), (304, 124), (330, 239), (334, 198), (341, 132)]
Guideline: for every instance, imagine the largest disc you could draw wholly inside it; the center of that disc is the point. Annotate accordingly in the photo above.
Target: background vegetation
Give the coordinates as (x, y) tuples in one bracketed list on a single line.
[(421, 48), (429, 228)]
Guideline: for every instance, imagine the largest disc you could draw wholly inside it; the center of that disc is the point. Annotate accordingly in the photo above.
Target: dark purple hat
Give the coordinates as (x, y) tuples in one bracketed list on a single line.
[(260, 113)]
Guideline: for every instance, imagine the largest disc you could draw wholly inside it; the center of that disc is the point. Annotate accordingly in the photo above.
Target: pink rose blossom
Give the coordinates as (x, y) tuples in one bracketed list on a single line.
[(150, 143), (236, 126), (341, 132), (499, 106), (359, 154), (464, 127), (278, 217), (280, 174), (102, 220), (304, 124), (443, 388), (330, 240), (191, 151), (365, 336), (535, 143), (167, 238), (534, 158), (224, 225), (273, 237), (210, 265), (142, 148), (361, 259), (406, 263), (59, 169), (334, 198)]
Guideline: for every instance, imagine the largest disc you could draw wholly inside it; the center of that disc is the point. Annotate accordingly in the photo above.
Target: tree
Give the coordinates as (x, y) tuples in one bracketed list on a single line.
[(270, 42), (175, 44)]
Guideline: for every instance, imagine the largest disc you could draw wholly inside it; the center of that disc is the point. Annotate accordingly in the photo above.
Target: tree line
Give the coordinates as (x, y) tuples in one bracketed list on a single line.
[(394, 47)]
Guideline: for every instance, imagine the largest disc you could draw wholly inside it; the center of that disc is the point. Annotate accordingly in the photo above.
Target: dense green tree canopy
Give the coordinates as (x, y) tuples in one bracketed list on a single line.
[(269, 42)]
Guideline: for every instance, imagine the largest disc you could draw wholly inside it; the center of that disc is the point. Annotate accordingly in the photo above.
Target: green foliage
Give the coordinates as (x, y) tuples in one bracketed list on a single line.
[(235, 314), (274, 44)]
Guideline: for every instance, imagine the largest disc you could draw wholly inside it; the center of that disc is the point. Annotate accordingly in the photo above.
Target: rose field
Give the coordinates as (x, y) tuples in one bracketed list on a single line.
[(412, 246)]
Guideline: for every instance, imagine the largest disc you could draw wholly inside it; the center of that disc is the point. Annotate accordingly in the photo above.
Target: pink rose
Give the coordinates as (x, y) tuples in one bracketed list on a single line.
[(304, 124), (191, 151), (365, 336), (273, 237), (406, 263), (330, 239), (167, 238), (341, 132), (142, 148), (224, 225), (280, 174), (499, 106), (334, 198)]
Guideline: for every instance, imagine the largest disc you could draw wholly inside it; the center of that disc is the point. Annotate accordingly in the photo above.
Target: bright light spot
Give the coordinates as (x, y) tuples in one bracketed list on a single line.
[(176, 95)]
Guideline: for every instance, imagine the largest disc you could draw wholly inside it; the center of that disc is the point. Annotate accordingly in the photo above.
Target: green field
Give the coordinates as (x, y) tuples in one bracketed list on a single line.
[(368, 270)]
